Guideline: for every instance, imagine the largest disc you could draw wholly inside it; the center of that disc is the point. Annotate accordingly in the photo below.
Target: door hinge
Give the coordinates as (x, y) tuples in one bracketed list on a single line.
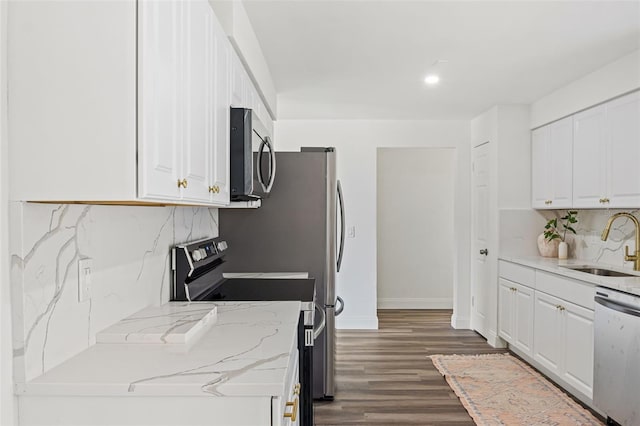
[(308, 337), (473, 301)]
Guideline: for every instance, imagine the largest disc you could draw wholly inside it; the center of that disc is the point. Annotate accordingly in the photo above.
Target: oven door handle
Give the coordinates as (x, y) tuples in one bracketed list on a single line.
[(323, 322)]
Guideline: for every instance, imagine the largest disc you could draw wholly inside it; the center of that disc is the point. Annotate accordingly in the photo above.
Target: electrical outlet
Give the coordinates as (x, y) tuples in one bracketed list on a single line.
[(351, 232), (85, 267)]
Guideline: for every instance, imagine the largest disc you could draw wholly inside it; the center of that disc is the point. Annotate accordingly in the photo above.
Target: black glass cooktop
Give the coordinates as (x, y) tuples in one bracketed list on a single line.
[(252, 289)]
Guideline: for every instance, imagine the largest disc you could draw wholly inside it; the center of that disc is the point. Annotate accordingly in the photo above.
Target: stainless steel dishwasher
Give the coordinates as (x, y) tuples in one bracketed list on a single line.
[(616, 388)]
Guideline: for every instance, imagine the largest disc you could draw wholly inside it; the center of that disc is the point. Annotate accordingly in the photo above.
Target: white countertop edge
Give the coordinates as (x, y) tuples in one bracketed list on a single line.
[(562, 267)]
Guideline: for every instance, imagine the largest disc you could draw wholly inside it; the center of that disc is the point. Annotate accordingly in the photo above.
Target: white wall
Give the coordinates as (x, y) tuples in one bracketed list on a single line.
[(415, 188), (615, 79), (7, 400), (356, 142)]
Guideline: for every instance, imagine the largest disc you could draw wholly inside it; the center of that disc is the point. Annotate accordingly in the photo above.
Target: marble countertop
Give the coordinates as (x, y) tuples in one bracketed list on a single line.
[(563, 267), (171, 323), (245, 353)]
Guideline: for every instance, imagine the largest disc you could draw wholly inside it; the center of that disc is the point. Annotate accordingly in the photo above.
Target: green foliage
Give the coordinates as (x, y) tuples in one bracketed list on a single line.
[(567, 221)]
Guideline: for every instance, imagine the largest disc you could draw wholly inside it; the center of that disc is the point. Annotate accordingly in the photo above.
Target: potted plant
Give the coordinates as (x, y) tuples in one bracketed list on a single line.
[(552, 242)]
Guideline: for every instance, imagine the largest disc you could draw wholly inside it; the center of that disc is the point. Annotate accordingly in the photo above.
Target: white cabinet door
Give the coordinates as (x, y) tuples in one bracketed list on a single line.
[(547, 332), (551, 165), (589, 158), (160, 123), (561, 151), (199, 95), (523, 318), (219, 186), (540, 176), (505, 309), (623, 140), (578, 352)]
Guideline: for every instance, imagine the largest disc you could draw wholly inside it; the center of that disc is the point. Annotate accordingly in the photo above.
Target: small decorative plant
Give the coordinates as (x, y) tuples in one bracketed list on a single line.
[(552, 230)]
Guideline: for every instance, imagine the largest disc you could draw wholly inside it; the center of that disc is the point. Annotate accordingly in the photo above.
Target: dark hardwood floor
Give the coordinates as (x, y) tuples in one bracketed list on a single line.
[(385, 378)]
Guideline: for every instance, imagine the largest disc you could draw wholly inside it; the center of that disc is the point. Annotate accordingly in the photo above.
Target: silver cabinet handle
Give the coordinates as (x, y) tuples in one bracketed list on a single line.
[(323, 322), (485, 252)]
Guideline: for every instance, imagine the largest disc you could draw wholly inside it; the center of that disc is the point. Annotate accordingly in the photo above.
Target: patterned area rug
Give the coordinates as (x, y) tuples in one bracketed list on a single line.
[(499, 389)]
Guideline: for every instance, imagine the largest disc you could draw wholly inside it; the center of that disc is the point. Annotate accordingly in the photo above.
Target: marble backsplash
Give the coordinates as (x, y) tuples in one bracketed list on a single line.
[(519, 229), (587, 244), (129, 248)]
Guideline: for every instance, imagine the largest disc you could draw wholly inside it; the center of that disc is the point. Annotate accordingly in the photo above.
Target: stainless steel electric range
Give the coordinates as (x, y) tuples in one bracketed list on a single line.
[(198, 276)]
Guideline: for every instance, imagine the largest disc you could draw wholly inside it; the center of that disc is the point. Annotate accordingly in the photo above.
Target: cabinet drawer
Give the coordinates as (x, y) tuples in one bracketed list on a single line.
[(517, 273), (571, 290)]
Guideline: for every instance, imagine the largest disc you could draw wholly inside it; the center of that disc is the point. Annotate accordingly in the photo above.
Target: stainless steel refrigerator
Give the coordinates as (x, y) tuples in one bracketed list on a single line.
[(299, 228)]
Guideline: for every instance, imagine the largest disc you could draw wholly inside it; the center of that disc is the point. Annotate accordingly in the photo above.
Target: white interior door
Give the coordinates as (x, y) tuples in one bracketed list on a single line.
[(480, 266)]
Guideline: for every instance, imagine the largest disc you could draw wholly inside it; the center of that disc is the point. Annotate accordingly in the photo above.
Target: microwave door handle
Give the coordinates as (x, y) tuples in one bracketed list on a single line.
[(259, 165), (342, 227), (272, 164)]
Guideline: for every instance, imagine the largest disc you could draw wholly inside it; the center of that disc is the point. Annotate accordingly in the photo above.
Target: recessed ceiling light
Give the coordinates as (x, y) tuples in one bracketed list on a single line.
[(432, 79)]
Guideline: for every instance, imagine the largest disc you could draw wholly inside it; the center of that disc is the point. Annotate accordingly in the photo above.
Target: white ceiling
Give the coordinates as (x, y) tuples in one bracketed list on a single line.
[(368, 59)]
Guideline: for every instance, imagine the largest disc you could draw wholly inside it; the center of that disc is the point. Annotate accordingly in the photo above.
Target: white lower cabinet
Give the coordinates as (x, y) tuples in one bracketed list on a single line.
[(546, 329), (547, 332), (578, 350), (563, 340), (515, 323)]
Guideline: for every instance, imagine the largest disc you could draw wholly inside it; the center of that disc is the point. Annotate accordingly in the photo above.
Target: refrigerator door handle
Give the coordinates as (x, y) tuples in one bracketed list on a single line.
[(341, 308), (342, 226), (323, 322)]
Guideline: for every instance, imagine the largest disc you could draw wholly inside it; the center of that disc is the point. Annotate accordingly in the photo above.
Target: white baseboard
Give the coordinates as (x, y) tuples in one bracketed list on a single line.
[(357, 323), (495, 341), (413, 303), (460, 323)]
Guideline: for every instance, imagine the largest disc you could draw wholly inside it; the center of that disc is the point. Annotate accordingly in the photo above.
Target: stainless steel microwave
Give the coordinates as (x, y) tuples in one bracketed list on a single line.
[(251, 173)]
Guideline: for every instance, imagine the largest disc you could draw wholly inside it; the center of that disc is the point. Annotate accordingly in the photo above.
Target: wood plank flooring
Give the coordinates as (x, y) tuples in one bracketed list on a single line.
[(385, 378)]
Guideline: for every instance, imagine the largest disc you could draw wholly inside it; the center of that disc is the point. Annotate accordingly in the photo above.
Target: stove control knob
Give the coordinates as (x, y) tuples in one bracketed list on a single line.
[(222, 246), (197, 255)]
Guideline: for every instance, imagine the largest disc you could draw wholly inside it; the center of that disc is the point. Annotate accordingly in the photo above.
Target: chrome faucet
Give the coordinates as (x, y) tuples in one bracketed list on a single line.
[(635, 258)]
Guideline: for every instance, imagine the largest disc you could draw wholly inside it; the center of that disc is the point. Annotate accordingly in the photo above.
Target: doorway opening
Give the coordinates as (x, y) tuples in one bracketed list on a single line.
[(415, 235)]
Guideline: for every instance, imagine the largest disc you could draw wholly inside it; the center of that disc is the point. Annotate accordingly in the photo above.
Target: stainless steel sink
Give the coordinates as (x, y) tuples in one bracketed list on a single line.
[(602, 272)]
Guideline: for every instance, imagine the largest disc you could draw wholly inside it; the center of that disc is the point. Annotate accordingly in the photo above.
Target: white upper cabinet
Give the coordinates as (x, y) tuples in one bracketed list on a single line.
[(160, 127), (607, 154), (551, 165), (623, 138), (219, 174), (589, 160), (142, 118), (176, 109)]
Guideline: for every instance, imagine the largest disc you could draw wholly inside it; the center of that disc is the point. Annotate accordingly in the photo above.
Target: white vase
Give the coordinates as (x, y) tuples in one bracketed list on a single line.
[(563, 250), (548, 248)]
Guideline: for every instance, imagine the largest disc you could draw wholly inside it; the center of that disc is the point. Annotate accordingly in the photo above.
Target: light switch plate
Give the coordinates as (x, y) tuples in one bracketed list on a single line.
[(85, 267)]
